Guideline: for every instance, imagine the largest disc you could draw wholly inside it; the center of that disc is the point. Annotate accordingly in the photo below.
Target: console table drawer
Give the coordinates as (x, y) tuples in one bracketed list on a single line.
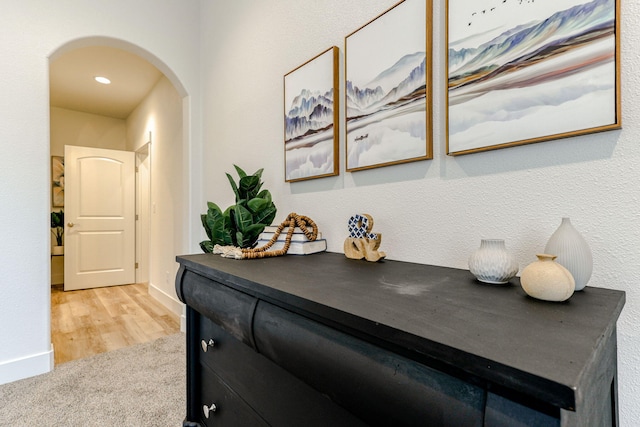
[(272, 392), (230, 309), (346, 334), (377, 385), (226, 408)]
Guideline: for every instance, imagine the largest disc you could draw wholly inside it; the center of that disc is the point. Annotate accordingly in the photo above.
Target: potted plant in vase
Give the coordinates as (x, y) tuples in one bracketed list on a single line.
[(240, 224), (57, 229)]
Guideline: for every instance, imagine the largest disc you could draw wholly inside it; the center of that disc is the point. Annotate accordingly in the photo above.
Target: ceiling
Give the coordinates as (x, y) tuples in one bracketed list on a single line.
[(72, 84)]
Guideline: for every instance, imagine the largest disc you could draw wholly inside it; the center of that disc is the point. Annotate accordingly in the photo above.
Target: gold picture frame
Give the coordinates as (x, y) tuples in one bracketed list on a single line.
[(311, 115), (388, 94), (525, 72)]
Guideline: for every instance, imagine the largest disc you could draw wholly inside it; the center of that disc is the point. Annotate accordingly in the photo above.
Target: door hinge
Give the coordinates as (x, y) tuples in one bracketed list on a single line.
[(137, 265), (137, 169), (137, 217)]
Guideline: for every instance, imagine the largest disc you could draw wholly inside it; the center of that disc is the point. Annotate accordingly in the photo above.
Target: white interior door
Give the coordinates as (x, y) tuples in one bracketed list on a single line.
[(100, 218)]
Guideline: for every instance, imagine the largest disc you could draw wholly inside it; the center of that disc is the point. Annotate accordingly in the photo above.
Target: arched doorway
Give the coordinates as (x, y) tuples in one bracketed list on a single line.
[(154, 127)]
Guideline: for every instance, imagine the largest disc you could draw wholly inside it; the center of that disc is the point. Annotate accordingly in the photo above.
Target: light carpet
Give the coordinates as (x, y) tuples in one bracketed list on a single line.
[(142, 385)]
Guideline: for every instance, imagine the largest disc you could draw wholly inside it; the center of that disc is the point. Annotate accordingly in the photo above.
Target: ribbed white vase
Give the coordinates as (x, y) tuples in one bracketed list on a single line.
[(492, 263), (572, 252)]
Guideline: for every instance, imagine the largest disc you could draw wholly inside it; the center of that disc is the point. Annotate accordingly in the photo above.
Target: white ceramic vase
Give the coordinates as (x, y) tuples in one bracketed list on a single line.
[(547, 280), (572, 252), (492, 263)]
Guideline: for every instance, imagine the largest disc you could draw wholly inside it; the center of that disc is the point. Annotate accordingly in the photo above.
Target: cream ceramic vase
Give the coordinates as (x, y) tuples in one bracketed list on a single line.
[(547, 280), (572, 252), (492, 263)]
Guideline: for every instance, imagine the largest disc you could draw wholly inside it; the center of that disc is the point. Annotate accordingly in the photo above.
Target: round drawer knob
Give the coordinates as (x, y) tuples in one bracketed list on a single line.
[(206, 344), (209, 409)]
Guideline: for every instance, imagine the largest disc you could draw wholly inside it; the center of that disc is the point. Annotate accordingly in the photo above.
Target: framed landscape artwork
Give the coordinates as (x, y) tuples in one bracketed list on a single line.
[(524, 71), (57, 181), (311, 118), (388, 88)]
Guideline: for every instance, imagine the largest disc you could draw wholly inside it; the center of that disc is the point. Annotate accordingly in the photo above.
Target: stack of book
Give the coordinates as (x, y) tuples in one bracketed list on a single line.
[(300, 244)]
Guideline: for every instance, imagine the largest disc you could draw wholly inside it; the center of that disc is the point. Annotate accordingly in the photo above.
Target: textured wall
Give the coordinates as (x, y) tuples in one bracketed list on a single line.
[(165, 32), (434, 211)]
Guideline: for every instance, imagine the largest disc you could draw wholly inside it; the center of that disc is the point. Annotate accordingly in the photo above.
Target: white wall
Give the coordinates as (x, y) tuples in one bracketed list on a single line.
[(165, 32), (70, 127), (161, 114), (436, 211)]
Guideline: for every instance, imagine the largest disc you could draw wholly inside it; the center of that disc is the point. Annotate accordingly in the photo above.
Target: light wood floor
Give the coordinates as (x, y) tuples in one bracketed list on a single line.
[(92, 321)]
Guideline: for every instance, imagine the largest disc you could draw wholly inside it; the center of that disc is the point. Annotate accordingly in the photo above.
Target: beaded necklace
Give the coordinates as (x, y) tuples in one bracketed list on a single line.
[(293, 220)]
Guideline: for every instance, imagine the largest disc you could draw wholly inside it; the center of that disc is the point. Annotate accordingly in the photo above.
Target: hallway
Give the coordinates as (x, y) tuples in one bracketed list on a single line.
[(92, 321)]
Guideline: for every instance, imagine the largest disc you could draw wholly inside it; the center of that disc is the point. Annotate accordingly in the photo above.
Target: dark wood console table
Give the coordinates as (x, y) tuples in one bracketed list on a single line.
[(323, 340)]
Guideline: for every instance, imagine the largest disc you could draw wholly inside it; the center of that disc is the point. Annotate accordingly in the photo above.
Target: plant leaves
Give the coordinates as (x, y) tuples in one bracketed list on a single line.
[(213, 213), (221, 231), (264, 194), (240, 224), (252, 233), (234, 187), (257, 189), (228, 240), (249, 187), (239, 239), (256, 205), (213, 206), (242, 217), (266, 216), (207, 227), (232, 216), (241, 173), (206, 246), (57, 219)]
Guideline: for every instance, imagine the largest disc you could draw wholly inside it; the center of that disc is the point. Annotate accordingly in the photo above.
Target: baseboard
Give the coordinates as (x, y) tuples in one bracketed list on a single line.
[(25, 367), (165, 299)]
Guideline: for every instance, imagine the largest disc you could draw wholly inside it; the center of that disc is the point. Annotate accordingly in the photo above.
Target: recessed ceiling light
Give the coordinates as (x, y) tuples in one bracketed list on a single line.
[(103, 80)]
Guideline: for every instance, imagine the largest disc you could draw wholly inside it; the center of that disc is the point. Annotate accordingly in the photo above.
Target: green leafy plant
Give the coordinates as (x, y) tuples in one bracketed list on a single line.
[(240, 224), (57, 226)]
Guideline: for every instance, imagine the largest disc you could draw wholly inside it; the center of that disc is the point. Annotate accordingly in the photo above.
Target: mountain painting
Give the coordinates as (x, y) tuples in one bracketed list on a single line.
[(311, 118), (388, 88), (522, 71)]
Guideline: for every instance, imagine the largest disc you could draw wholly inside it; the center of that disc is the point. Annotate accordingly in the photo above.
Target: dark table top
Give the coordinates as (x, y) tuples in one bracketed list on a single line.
[(492, 332)]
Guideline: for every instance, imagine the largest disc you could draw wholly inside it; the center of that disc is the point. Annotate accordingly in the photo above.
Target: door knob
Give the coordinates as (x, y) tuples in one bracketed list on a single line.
[(70, 224), (209, 409), (206, 344)]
